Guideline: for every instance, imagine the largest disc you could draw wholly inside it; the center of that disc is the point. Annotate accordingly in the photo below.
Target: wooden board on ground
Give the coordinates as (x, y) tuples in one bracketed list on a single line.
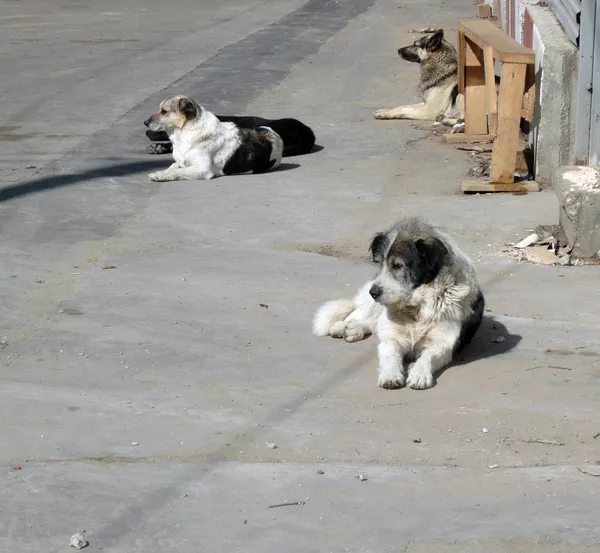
[(460, 138), (486, 187)]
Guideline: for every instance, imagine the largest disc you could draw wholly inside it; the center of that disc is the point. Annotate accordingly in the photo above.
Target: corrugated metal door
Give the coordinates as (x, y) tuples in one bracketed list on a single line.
[(587, 134), (568, 12)]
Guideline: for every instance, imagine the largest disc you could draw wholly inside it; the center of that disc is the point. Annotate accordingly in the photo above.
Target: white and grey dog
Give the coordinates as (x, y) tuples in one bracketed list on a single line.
[(424, 305), (204, 147)]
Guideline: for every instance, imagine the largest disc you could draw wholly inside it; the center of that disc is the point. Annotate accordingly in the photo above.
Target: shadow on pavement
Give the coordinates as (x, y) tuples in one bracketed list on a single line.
[(492, 338), (57, 181)]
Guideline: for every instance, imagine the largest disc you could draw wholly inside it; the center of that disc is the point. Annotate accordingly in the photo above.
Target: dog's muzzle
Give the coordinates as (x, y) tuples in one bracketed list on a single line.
[(148, 121)]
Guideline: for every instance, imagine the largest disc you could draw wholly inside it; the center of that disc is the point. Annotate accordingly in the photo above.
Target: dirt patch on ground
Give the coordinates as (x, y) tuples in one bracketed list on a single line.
[(353, 253)]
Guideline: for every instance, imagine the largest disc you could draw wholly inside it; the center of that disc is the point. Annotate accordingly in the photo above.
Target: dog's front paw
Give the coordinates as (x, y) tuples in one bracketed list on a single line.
[(159, 149), (458, 128), (391, 381), (338, 329), (381, 114), (419, 378), (354, 332), (160, 176)]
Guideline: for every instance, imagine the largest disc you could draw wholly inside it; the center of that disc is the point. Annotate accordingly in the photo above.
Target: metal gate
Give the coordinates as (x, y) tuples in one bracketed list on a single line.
[(587, 133), (568, 13)]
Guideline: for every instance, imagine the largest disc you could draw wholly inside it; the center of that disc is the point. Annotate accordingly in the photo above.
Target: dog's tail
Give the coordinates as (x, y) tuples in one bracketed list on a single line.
[(329, 314)]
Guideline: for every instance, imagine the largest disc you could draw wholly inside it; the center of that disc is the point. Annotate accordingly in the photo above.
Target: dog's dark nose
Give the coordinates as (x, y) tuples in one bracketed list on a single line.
[(375, 291), (147, 121)]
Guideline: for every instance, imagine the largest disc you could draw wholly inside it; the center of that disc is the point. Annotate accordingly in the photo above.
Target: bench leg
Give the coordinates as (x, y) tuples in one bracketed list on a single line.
[(510, 102), (475, 90), (490, 83)]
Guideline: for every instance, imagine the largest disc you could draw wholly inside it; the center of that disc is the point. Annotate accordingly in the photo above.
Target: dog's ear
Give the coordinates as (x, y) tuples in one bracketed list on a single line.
[(378, 247), (188, 108), (432, 253), (435, 40)]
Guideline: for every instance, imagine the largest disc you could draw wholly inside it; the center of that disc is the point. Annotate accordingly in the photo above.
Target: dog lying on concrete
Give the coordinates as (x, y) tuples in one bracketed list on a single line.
[(424, 305), (298, 138), (438, 84), (204, 147)]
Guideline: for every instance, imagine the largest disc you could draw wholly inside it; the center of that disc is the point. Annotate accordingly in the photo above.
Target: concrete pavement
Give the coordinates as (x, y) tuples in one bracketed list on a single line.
[(138, 401)]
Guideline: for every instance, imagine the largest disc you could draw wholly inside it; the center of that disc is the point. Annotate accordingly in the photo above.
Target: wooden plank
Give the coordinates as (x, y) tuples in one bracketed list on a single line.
[(484, 11), (461, 138), (524, 161), (506, 49), (504, 156), (528, 110), (490, 84), (475, 90), (484, 187)]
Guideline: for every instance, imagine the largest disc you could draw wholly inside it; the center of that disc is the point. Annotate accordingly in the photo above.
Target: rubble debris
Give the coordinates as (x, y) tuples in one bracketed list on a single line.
[(531, 239), (295, 503), (546, 442), (271, 445), (320, 471), (78, 541), (362, 477), (595, 472)]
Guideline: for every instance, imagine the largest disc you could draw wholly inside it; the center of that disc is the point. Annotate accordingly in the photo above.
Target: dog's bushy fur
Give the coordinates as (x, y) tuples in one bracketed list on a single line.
[(204, 147), (438, 85), (424, 305), (298, 138)]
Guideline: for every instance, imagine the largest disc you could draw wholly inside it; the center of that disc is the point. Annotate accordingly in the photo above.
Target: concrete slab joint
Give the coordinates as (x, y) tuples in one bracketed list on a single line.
[(578, 192)]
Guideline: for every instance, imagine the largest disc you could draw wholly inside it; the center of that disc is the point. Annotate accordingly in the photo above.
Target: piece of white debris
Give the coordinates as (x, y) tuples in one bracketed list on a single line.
[(135, 443), (362, 477), (498, 339), (493, 466), (78, 541), (531, 239), (485, 430), (271, 445)]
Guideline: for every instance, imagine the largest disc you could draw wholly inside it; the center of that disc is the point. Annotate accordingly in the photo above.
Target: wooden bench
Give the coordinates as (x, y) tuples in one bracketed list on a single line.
[(492, 116)]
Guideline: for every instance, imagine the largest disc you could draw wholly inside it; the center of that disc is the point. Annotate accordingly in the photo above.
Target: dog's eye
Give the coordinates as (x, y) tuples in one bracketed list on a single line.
[(395, 265), (163, 112)]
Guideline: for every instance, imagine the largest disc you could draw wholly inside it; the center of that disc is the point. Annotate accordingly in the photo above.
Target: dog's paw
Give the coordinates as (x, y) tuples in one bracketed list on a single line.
[(160, 176), (354, 332), (390, 381), (419, 378), (381, 114), (338, 329), (159, 149)]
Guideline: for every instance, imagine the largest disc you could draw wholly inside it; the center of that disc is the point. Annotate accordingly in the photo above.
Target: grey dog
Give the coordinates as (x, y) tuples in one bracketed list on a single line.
[(438, 86)]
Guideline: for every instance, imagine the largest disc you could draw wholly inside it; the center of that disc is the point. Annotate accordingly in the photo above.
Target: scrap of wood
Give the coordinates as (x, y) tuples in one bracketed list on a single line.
[(484, 187), (475, 149), (458, 138)]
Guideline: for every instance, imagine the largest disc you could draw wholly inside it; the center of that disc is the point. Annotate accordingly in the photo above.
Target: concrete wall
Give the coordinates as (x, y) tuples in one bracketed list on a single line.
[(534, 25)]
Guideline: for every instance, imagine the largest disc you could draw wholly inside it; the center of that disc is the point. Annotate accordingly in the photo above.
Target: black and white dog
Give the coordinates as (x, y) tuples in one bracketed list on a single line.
[(298, 138), (424, 305), (204, 147)]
